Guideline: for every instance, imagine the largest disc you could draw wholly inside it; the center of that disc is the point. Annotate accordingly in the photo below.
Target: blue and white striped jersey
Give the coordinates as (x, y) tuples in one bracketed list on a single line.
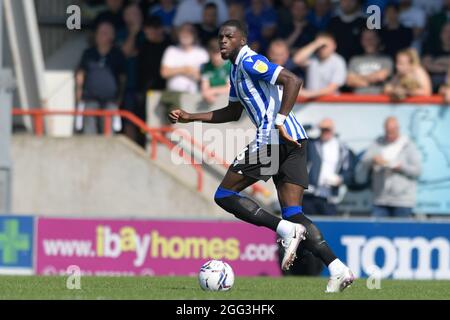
[(252, 80)]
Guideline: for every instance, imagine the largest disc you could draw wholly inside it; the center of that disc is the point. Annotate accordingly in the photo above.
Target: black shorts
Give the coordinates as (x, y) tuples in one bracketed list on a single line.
[(282, 162)]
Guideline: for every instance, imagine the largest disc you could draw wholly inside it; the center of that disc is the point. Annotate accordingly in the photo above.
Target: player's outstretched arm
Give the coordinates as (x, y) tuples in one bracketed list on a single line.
[(232, 112)]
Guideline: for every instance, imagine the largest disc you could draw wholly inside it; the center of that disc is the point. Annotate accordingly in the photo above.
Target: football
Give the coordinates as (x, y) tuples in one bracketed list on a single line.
[(216, 275)]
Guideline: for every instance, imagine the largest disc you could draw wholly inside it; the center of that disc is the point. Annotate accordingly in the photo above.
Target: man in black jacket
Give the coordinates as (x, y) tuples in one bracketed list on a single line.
[(330, 166), (149, 66)]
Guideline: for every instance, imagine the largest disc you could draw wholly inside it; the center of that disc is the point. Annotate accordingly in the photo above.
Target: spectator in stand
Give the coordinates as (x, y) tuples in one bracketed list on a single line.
[(394, 35), (129, 39), (150, 56), (262, 23), (326, 70), (236, 11), (100, 80), (437, 62), (330, 164), (430, 7), (394, 165), (113, 14), (278, 53), (435, 25), (148, 67), (368, 72), (190, 11), (411, 78), (284, 16), (165, 10), (414, 18), (300, 32), (208, 28), (346, 28), (180, 64), (320, 15), (215, 74)]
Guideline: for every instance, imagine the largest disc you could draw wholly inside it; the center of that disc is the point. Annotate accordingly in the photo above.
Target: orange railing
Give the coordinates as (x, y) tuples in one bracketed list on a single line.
[(157, 135), (367, 98)]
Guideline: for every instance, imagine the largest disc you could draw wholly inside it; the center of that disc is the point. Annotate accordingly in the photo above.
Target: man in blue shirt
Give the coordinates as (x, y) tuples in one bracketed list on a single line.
[(267, 92)]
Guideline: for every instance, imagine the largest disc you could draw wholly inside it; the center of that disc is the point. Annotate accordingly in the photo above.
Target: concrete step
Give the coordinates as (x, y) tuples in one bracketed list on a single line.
[(94, 176)]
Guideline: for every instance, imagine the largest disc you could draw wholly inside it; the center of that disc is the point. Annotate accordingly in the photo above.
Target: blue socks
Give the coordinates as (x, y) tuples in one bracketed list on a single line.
[(223, 193), (287, 212)]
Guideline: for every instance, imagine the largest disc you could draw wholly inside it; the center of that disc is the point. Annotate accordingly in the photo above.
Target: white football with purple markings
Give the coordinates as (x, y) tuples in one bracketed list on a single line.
[(216, 275)]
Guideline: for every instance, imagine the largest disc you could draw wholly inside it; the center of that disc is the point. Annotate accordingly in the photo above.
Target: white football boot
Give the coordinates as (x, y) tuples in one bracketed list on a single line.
[(340, 281), (290, 245)]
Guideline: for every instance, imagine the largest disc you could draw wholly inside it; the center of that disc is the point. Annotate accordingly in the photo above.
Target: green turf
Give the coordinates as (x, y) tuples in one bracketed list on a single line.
[(38, 287)]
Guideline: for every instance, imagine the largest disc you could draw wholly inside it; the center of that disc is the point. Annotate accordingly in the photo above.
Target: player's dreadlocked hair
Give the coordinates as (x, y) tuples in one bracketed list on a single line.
[(241, 26)]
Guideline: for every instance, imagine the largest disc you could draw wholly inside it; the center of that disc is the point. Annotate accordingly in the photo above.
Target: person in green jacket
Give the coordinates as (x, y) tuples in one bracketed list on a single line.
[(215, 74)]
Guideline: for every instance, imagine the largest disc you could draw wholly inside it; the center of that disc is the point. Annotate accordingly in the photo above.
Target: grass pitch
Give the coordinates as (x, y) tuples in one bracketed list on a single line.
[(303, 288)]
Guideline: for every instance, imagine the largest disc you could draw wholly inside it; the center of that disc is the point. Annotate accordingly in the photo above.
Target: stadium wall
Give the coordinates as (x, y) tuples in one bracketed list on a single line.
[(107, 177)]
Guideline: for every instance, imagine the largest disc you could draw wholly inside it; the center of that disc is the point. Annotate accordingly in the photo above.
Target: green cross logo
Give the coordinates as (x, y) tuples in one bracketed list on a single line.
[(12, 241)]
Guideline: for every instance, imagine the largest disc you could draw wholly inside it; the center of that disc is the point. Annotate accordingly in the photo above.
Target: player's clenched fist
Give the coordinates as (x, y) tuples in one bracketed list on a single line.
[(179, 115)]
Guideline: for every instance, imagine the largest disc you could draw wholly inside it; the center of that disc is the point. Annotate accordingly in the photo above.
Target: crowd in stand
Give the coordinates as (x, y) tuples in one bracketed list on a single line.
[(169, 45), (172, 45)]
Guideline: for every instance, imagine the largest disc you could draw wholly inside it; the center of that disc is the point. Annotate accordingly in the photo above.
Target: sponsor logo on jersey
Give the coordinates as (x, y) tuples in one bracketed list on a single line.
[(260, 66)]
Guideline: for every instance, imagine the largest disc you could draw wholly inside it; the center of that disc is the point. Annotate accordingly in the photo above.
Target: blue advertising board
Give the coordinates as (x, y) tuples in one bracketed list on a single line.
[(16, 244), (393, 249)]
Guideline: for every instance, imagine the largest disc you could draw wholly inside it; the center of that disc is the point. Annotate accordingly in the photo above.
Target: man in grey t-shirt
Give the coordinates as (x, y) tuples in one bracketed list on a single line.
[(326, 70), (368, 72)]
